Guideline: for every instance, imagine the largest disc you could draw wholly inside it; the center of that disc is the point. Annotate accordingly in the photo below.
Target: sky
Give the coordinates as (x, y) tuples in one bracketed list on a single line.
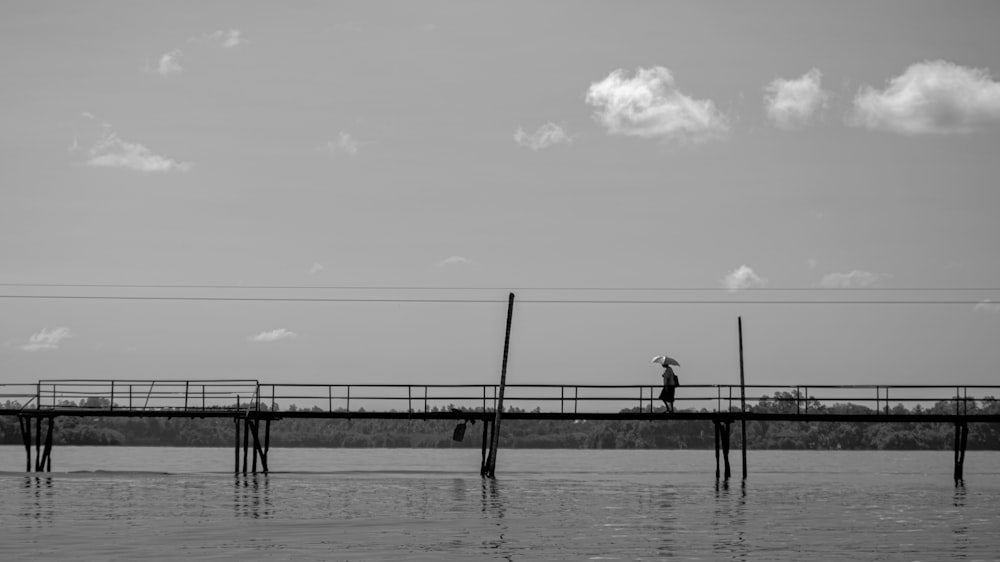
[(374, 178)]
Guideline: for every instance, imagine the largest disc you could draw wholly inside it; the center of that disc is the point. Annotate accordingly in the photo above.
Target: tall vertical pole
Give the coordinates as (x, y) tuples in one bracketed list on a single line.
[(491, 461), (743, 400)]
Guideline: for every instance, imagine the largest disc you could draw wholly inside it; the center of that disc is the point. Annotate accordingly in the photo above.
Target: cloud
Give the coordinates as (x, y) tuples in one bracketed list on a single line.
[(47, 339), (987, 306), (455, 260), (813, 263), (742, 277), (168, 64), (931, 97), (226, 38), (649, 105), (111, 151), (546, 136), (272, 336), (345, 143), (793, 104), (854, 279), (316, 268)]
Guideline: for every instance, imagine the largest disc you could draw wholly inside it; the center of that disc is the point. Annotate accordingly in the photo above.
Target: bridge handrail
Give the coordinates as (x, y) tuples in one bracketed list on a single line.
[(219, 391)]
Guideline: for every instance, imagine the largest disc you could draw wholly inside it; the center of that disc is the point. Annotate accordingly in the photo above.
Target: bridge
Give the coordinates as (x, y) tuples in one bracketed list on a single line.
[(255, 405)]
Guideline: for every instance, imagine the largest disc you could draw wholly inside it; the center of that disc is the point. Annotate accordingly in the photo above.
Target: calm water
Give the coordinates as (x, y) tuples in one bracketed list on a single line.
[(323, 504)]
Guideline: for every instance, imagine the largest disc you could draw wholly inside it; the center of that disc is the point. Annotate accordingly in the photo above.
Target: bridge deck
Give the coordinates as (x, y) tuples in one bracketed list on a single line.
[(552, 416)]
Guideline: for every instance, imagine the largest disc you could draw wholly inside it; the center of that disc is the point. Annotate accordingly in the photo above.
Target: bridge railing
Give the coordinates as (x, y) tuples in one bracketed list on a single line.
[(134, 395), (578, 399), (241, 396)]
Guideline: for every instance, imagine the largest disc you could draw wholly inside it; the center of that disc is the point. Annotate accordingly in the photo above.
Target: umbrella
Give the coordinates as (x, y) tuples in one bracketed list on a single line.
[(665, 361)]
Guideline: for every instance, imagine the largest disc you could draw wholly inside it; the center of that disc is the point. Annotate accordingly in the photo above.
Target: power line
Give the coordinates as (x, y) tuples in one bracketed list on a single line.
[(496, 301), (515, 288)]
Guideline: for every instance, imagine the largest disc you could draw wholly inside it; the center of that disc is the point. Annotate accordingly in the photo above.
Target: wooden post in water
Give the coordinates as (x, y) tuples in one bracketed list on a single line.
[(256, 444), (743, 403), (38, 443), (236, 447), (25, 424), (725, 449), (715, 423), (246, 442), (486, 440), (961, 441), (47, 452), (491, 461), (267, 439)]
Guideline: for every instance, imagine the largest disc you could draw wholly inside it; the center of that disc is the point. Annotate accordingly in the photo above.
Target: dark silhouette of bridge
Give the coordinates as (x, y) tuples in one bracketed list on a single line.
[(254, 406)]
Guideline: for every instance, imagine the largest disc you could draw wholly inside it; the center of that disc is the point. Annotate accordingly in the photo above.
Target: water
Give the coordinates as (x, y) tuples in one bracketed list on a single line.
[(333, 504)]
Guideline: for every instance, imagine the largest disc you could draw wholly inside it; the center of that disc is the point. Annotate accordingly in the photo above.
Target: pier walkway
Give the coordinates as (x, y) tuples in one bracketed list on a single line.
[(255, 405)]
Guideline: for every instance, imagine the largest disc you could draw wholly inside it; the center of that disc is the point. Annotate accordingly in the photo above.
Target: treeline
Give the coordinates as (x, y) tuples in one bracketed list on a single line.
[(665, 434)]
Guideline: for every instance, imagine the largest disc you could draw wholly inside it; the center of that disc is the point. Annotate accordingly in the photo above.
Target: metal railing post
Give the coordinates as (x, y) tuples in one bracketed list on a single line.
[(562, 399), (425, 399), (348, 398), (329, 397), (186, 388), (111, 408)]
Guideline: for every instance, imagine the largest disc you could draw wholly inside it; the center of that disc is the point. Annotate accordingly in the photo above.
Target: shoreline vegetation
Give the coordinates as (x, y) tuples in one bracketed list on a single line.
[(539, 434)]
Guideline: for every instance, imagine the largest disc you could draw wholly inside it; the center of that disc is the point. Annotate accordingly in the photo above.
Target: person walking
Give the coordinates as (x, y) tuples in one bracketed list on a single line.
[(670, 383)]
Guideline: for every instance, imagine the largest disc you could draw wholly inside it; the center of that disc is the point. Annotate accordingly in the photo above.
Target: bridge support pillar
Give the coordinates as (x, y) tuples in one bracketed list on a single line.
[(43, 453), (715, 424), (722, 438), (486, 440), (236, 447), (961, 441), (25, 424)]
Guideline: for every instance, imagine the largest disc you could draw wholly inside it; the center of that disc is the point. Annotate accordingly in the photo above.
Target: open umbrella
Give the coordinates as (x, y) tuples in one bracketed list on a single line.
[(665, 361)]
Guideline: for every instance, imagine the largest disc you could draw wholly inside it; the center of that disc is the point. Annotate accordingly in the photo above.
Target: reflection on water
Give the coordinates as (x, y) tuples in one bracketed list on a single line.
[(252, 495), (39, 499), (622, 509), (729, 520), (494, 512)]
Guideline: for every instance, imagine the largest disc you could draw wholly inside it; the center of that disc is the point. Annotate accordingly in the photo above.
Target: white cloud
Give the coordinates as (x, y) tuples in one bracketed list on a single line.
[(455, 260), (931, 97), (169, 64), (316, 268), (111, 151), (649, 105), (987, 306), (546, 136), (345, 143), (853, 279), (47, 339), (742, 277), (226, 38), (813, 263), (795, 103), (272, 336)]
